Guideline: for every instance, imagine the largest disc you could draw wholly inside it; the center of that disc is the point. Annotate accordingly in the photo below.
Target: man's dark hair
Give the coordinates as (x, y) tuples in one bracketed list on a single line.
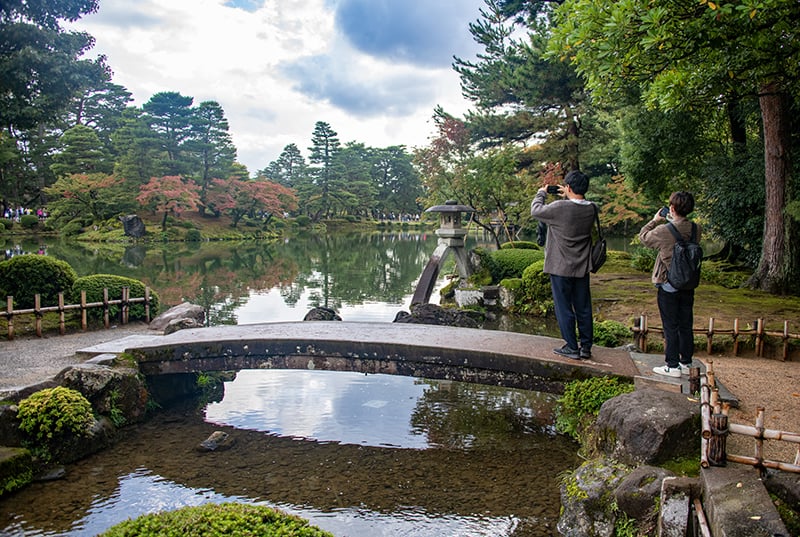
[(682, 202), (577, 181)]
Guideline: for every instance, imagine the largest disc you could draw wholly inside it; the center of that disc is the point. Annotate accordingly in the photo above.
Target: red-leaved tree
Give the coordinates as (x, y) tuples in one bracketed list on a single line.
[(238, 197), (170, 194)]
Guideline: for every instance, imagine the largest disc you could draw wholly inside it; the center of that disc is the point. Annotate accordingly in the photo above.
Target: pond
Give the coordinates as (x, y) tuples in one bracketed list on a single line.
[(356, 455), (366, 277)]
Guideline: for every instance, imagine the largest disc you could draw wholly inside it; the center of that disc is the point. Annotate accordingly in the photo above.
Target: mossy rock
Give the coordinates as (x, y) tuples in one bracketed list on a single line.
[(16, 469), (211, 520)]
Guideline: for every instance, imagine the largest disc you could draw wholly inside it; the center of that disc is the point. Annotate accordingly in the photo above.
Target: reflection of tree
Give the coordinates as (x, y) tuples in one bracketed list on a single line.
[(332, 269), (444, 415)]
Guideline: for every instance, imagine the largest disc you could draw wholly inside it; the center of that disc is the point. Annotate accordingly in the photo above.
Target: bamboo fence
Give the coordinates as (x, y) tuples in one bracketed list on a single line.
[(38, 310), (758, 331), (716, 428)]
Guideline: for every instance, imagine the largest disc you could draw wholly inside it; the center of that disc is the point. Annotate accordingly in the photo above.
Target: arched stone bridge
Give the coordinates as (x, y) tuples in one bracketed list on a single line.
[(471, 355)]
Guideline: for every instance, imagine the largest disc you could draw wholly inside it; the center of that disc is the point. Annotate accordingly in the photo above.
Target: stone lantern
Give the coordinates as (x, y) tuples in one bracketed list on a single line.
[(451, 239)]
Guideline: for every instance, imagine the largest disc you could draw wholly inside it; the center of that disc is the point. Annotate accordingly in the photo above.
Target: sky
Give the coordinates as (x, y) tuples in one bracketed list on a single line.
[(374, 70)]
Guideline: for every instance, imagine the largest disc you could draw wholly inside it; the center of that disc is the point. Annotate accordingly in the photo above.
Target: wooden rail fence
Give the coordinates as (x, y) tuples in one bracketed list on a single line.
[(643, 329), (716, 428), (38, 310)]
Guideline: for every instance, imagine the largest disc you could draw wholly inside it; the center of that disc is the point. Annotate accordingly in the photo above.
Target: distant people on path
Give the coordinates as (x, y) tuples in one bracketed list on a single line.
[(675, 306), (567, 258)]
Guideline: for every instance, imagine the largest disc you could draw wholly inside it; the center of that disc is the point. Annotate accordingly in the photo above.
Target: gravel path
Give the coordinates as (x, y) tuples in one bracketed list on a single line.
[(767, 383), (29, 360)]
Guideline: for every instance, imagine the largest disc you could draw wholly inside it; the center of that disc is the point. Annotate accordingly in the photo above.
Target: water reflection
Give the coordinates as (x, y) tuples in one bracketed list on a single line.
[(489, 465), (349, 408)]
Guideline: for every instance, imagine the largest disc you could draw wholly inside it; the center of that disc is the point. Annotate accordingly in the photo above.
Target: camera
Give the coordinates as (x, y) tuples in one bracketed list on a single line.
[(663, 212), (553, 189)]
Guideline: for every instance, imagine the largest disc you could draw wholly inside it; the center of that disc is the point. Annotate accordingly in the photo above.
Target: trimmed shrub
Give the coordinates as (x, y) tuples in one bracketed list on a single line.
[(94, 285), (29, 221), (53, 412), (23, 276), (7, 222), (582, 399), (520, 245), (194, 235), (610, 333), (212, 520), (303, 220), (644, 259), (71, 229), (511, 262), (534, 295), (2, 226)]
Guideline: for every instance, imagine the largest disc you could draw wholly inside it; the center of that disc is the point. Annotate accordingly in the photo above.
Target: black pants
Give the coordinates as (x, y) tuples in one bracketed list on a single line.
[(677, 317), (573, 303)]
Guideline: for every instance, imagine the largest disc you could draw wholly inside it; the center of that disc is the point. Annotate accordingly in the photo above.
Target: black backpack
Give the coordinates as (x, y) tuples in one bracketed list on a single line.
[(687, 256)]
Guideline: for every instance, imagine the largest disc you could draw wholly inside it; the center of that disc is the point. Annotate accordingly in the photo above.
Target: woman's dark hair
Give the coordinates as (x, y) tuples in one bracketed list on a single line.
[(577, 181), (682, 202)]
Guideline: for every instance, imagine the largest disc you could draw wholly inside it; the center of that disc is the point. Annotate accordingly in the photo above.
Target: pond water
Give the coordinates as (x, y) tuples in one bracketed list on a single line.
[(355, 454)]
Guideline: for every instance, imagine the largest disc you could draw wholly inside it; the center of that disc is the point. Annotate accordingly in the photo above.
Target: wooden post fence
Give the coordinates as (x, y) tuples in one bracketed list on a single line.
[(715, 429), (641, 330), (38, 311)]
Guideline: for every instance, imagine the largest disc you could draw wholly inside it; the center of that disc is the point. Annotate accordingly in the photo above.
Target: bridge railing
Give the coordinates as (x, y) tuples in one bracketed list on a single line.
[(642, 329), (38, 311)]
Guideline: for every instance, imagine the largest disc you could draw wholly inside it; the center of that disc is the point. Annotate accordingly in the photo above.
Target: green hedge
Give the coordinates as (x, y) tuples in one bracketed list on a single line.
[(23, 276), (520, 245), (29, 221), (510, 263), (212, 520), (94, 285)]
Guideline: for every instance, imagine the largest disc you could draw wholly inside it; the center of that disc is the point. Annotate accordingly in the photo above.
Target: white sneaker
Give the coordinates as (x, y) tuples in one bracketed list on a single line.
[(684, 368), (667, 371)]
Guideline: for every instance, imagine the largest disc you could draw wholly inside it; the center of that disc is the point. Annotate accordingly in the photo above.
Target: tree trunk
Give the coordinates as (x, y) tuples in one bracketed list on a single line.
[(777, 263)]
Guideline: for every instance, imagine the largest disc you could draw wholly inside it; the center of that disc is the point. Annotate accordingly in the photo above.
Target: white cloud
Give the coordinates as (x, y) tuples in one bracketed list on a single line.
[(373, 72)]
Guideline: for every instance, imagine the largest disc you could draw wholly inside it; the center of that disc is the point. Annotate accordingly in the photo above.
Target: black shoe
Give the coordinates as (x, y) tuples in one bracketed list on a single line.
[(585, 354), (567, 352)]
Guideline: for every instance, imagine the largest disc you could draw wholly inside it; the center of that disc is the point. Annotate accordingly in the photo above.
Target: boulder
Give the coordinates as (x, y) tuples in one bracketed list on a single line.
[(587, 499), (322, 314), (648, 426), (116, 392), (218, 441), (638, 493), (437, 315), (133, 226), (185, 310), (181, 324)]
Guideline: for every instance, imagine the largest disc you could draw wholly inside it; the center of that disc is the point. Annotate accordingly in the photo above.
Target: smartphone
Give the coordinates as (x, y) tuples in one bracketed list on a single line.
[(553, 189), (663, 212)]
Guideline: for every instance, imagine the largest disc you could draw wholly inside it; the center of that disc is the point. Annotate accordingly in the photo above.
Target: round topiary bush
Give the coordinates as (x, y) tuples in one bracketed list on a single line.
[(52, 417), (535, 295), (193, 235), (212, 520), (520, 245), (94, 285), (511, 262), (29, 221), (23, 276), (7, 223)]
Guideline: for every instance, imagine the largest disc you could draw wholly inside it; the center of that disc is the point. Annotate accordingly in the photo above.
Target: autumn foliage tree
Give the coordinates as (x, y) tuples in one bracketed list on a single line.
[(169, 194), (96, 195), (239, 197)]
